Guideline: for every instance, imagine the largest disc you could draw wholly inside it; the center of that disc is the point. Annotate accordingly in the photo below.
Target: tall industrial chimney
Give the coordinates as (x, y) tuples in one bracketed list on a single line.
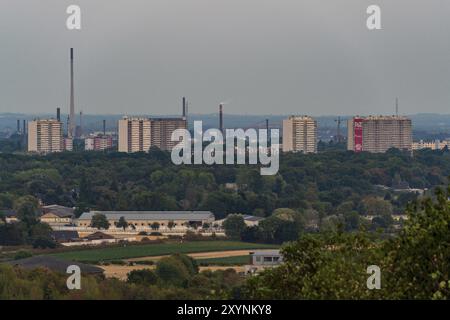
[(24, 127), (18, 125), (396, 107), (184, 107), (221, 117), (80, 131), (58, 114), (71, 129), (104, 127)]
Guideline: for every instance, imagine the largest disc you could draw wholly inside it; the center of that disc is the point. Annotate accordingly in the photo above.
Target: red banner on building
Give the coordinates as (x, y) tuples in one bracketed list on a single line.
[(358, 134)]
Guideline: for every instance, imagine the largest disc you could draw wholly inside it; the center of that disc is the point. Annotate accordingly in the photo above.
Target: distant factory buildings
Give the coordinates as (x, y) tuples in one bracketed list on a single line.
[(378, 134), (98, 143), (432, 145), (68, 144), (300, 134)]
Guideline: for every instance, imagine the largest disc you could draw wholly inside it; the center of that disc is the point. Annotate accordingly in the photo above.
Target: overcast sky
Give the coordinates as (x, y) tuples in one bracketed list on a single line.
[(262, 56)]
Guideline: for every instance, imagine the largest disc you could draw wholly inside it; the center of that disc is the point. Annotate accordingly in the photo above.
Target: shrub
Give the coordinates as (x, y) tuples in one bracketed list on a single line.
[(192, 236), (44, 243), (173, 271), (22, 254), (142, 277), (145, 262)]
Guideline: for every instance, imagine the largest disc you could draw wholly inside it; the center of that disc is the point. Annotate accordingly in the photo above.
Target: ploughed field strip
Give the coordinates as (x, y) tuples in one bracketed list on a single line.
[(236, 260), (121, 272), (199, 255), (161, 249)]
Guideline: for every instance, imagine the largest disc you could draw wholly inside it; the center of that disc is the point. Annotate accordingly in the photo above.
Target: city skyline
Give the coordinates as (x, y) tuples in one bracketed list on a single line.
[(306, 57)]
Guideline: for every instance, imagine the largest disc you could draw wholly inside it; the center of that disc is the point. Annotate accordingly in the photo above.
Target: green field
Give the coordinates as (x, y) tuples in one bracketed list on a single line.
[(226, 261), (160, 249)]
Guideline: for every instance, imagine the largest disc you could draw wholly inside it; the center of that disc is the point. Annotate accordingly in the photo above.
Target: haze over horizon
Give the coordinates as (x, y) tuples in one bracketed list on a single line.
[(264, 57)]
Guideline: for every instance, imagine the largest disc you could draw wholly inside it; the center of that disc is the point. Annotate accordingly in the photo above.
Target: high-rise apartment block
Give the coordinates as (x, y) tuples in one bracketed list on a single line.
[(45, 136), (379, 133), (161, 132), (140, 134), (300, 134), (134, 134)]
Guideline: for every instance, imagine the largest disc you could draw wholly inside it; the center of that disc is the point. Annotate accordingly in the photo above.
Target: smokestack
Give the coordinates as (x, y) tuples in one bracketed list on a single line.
[(396, 107), (18, 125), (221, 117), (58, 114), (184, 107), (70, 131), (24, 127), (104, 127), (81, 124)]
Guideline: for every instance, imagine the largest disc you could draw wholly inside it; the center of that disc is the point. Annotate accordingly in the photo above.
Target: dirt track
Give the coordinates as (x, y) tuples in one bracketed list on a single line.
[(201, 255), (120, 272)]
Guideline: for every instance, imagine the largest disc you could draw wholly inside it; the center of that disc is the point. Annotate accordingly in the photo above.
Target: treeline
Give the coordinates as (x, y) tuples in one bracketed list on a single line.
[(28, 230), (413, 265), (14, 143), (175, 277), (327, 182)]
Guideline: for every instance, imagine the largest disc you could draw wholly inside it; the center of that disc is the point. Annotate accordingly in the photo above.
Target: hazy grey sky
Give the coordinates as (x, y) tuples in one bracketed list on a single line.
[(264, 56)]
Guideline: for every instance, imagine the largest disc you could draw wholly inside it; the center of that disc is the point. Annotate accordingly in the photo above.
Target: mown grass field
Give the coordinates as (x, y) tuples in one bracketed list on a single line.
[(159, 249), (226, 261)]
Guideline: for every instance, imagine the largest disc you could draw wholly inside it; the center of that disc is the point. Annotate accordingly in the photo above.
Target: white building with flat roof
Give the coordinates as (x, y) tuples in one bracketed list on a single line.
[(263, 259)]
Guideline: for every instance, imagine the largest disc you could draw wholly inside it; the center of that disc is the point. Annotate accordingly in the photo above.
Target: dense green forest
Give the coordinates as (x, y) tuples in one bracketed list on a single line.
[(327, 182), (310, 192), (333, 189)]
